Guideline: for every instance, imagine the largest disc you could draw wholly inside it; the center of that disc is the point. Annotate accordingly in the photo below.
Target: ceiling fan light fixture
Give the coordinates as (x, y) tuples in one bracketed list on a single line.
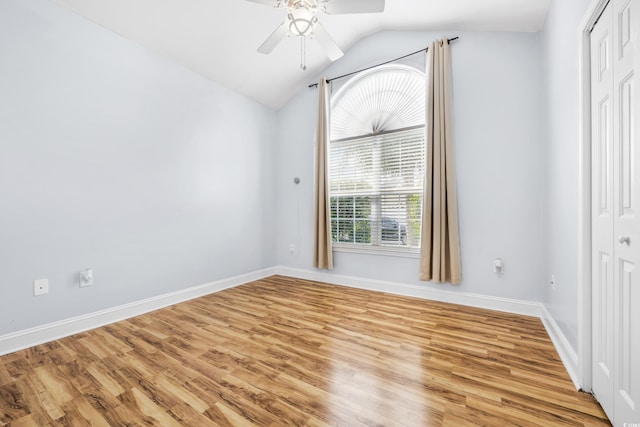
[(302, 22), (302, 19)]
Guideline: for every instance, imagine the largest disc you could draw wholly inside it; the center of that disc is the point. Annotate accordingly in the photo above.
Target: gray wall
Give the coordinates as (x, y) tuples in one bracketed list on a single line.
[(113, 158), (498, 138), (559, 45)]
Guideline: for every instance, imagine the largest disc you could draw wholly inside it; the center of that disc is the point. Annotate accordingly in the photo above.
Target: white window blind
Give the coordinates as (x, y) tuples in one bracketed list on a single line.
[(376, 188), (383, 99)]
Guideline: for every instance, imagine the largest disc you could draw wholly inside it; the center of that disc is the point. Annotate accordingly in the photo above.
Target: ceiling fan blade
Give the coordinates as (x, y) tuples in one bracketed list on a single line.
[(276, 37), (327, 43), (340, 7), (265, 2)]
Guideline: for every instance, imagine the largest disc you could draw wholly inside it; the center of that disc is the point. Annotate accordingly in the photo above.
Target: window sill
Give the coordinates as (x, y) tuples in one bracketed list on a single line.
[(379, 251)]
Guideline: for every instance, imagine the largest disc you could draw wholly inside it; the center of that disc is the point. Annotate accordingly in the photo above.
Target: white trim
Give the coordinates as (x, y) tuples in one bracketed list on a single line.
[(583, 367), (565, 351), (52, 331), (472, 300)]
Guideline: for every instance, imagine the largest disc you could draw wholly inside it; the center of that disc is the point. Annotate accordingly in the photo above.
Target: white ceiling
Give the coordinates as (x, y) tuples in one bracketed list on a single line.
[(219, 38)]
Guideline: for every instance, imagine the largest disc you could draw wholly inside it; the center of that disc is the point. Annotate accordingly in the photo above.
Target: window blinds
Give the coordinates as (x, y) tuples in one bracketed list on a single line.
[(376, 188), (387, 98)]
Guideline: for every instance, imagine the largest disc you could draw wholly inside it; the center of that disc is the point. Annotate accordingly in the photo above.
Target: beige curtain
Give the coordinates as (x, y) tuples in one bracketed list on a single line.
[(322, 254), (440, 247)]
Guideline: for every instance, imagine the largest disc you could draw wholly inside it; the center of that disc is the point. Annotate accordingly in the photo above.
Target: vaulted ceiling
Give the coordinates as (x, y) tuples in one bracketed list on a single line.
[(219, 38)]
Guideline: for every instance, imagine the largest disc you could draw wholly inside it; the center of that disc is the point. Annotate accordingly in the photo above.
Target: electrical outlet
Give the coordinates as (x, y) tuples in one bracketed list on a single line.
[(86, 278), (553, 283), (40, 287), (498, 265), (292, 248)]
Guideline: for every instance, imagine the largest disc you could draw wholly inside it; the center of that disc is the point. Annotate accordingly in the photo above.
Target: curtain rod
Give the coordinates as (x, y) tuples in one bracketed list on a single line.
[(377, 65)]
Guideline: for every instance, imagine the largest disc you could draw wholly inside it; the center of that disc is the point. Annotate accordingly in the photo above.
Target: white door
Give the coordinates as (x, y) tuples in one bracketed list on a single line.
[(602, 210), (615, 212), (626, 199)]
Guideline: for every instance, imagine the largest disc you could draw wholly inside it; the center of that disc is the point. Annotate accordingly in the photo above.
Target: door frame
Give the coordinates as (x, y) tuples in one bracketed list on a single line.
[(584, 196)]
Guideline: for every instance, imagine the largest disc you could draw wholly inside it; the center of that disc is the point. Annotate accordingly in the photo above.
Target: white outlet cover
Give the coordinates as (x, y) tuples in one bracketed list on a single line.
[(40, 287), (86, 278)]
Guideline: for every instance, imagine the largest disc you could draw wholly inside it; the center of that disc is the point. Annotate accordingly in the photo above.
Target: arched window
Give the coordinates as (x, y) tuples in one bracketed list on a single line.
[(377, 159)]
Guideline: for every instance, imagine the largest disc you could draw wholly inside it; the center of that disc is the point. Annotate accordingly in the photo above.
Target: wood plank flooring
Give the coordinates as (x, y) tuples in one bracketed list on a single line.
[(283, 351)]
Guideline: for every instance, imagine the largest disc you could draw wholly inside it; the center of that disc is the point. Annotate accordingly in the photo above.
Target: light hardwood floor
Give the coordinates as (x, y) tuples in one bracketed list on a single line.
[(283, 351)]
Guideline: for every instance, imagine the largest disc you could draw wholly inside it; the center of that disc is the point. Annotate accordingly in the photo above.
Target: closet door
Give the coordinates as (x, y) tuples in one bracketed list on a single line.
[(616, 212), (626, 224), (602, 211)]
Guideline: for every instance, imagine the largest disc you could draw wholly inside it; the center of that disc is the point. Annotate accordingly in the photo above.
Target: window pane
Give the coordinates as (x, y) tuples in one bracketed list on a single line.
[(414, 220), (363, 232), (334, 230), (345, 231), (345, 207), (363, 207)]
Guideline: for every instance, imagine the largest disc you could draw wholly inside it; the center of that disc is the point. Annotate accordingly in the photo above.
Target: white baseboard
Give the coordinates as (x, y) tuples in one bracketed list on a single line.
[(526, 308), (565, 351), (52, 331)]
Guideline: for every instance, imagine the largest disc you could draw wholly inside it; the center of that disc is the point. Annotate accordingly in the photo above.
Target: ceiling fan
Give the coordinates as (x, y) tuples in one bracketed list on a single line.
[(302, 21)]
